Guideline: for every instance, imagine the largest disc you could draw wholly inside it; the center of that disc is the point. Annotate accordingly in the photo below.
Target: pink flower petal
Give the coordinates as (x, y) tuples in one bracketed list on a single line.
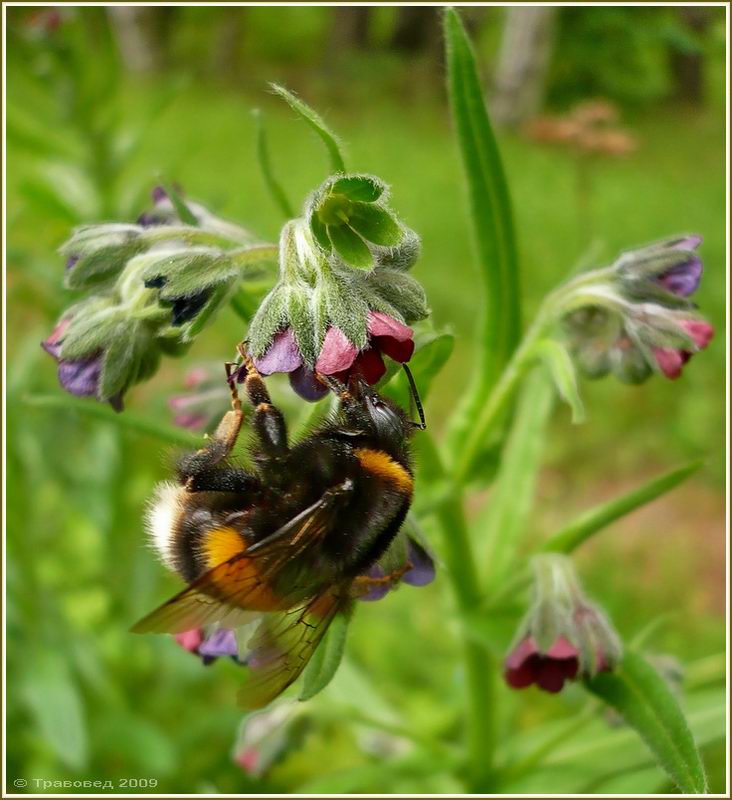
[(190, 640), (400, 351), (380, 324), (521, 652), (562, 648), (669, 361), (701, 332), (337, 353)]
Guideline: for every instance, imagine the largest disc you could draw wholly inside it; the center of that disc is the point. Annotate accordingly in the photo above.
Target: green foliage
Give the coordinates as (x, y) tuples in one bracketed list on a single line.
[(646, 703), (491, 216), (79, 474), (324, 664)]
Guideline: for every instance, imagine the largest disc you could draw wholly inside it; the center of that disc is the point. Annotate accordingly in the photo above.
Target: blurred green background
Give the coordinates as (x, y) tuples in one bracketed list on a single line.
[(102, 103)]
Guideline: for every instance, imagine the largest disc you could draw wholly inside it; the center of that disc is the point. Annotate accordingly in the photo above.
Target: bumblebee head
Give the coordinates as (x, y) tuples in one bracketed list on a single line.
[(383, 417)]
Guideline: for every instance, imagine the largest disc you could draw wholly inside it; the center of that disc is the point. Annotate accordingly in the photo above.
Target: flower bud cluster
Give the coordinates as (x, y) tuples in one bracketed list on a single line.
[(343, 298), (636, 318), (149, 289), (563, 636)]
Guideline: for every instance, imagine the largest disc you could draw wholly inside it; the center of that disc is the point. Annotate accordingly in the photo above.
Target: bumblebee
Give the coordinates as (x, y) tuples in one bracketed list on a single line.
[(283, 546)]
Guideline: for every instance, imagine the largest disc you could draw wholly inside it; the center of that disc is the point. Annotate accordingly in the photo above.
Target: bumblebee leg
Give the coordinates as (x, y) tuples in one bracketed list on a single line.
[(196, 469), (268, 422), (364, 583)]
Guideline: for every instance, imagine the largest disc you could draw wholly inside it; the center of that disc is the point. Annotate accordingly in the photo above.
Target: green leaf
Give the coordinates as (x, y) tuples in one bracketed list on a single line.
[(265, 165), (501, 528), (492, 219), (594, 520), (359, 187), (350, 246), (560, 364), (320, 233), (647, 704), (375, 224), (326, 659), (181, 208), (53, 699), (316, 123), (206, 314)]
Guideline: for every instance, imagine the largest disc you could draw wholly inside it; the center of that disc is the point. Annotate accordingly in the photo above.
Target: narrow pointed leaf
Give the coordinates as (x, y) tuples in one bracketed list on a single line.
[(317, 123), (510, 505), (326, 659), (492, 220), (562, 370), (594, 520), (639, 693)]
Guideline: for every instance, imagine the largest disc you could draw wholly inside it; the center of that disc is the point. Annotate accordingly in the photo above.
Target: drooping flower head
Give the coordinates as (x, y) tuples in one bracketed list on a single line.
[(331, 316), (563, 636), (638, 318)]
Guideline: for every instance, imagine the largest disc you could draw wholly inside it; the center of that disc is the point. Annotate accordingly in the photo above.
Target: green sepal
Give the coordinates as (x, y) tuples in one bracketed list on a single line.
[(401, 291), (350, 246), (365, 188), (404, 256), (320, 233), (92, 331), (270, 318), (299, 313), (123, 358), (375, 224), (101, 265)]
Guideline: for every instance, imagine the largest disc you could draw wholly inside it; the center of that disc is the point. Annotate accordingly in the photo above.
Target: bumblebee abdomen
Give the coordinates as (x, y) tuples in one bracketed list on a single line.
[(190, 533)]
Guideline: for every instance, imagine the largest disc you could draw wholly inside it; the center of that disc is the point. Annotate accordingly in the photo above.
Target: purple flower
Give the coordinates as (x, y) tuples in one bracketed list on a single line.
[(219, 643), (417, 570), (683, 279), (338, 356), (80, 377), (526, 664)]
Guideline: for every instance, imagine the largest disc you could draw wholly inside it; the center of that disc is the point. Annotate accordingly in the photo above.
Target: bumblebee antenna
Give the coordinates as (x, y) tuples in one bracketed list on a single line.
[(422, 424)]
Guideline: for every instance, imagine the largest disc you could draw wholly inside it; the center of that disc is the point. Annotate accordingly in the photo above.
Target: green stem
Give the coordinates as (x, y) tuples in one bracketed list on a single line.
[(575, 292), (480, 667)]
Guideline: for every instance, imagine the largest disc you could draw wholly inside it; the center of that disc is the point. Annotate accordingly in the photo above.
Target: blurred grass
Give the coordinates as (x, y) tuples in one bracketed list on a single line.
[(80, 572)]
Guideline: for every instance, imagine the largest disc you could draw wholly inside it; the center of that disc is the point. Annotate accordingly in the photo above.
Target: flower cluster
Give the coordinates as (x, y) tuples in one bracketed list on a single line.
[(326, 316), (149, 289), (563, 636), (636, 318)]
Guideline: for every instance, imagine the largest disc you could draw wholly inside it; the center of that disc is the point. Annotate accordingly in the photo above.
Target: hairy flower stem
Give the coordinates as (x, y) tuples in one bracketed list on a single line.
[(555, 304), (480, 667)]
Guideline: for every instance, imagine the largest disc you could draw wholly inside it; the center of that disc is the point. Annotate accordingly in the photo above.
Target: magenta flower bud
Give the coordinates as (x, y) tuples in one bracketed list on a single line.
[(671, 360)]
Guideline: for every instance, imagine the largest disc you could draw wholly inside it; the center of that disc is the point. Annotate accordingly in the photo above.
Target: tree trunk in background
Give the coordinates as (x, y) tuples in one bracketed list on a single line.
[(227, 35), (349, 28), (142, 34), (417, 29), (687, 66), (525, 53)]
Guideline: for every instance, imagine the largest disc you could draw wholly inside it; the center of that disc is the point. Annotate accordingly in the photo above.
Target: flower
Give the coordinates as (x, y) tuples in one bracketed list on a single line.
[(216, 643), (416, 568), (80, 377), (563, 636), (339, 357), (527, 664), (638, 319), (205, 402)]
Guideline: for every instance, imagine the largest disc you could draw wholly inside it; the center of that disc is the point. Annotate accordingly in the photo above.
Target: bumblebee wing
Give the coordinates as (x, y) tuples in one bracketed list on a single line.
[(242, 584), (282, 645)]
